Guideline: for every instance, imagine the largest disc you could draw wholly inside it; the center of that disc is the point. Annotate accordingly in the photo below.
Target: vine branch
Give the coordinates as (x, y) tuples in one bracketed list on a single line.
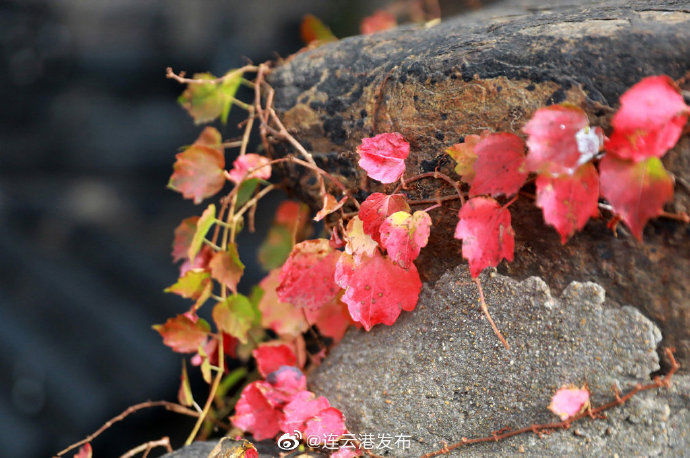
[(485, 309), (171, 406), (148, 446), (658, 382)]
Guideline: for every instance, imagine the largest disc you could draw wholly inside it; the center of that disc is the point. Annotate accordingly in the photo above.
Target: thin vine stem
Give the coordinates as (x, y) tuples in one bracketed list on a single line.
[(435, 174), (212, 392), (537, 429), (254, 200), (171, 406), (433, 201), (180, 77), (283, 132), (485, 309), (148, 446), (247, 131)]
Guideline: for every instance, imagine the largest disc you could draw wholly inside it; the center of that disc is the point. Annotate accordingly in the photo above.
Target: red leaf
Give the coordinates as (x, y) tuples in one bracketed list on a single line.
[(255, 414), (376, 208), (285, 382), (346, 451), (649, 121), (330, 205), (183, 237), (198, 172), (250, 451), (333, 319), (227, 268), (569, 401), (283, 318), (304, 406), (85, 451), (376, 289), (306, 278), (486, 233), (243, 166), (210, 137), (313, 29), (636, 190), (270, 357), (559, 139), (568, 201), (200, 262), (465, 156), (379, 21), (328, 425), (403, 236), (383, 156), (498, 168), (210, 350), (292, 214), (182, 334)]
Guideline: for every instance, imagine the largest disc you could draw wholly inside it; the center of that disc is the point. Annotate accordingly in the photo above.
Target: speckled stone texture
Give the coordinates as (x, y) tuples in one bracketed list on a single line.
[(491, 69), (440, 373)]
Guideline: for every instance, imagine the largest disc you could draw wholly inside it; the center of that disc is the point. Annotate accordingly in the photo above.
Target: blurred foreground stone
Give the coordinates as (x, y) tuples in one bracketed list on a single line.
[(440, 373)]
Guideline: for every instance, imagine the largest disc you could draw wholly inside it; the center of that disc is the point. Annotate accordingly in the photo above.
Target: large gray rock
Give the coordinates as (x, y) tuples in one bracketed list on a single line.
[(440, 373)]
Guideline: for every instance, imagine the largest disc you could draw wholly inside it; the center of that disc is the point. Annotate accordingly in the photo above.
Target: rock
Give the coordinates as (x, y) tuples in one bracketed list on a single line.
[(440, 373), (663, 431), (195, 450), (491, 69), (230, 448)]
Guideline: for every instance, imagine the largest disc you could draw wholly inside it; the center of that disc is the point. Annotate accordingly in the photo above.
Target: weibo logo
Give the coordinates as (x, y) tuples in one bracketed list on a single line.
[(289, 441)]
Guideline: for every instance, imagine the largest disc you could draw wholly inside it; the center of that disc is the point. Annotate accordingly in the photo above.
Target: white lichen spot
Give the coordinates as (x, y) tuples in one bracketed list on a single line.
[(589, 143)]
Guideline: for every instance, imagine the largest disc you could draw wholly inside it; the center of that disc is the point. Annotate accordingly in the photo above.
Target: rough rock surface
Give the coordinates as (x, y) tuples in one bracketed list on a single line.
[(491, 69), (440, 373), (229, 448)]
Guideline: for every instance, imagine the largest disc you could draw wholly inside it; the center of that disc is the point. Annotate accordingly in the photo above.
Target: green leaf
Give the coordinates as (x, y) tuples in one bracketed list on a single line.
[(184, 394), (235, 316), (255, 298), (276, 248), (191, 285), (228, 89), (207, 101), (246, 191), (230, 381), (205, 222), (205, 365)]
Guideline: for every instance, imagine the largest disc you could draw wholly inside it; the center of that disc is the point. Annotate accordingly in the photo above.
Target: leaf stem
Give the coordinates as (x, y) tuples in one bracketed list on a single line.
[(148, 446), (253, 201), (565, 424), (213, 245), (180, 78), (435, 174), (130, 410), (485, 309), (212, 392)]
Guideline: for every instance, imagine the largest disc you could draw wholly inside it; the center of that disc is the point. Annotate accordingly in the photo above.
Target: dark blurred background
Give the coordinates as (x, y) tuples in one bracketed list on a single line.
[(89, 128)]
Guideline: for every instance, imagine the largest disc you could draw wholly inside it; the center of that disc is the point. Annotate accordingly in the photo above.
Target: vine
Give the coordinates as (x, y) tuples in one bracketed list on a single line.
[(583, 410), (364, 273)]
